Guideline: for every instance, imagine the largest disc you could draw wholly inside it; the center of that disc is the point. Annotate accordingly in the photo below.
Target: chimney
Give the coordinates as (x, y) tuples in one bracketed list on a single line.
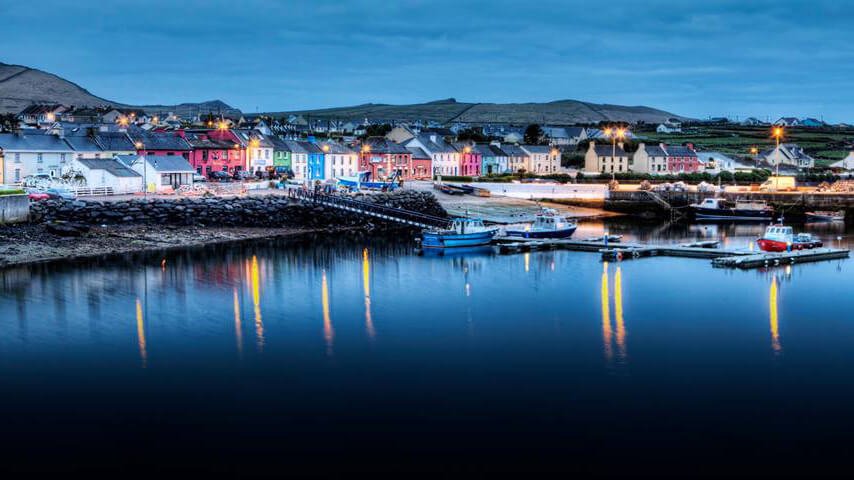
[(591, 146), (690, 146), (620, 144)]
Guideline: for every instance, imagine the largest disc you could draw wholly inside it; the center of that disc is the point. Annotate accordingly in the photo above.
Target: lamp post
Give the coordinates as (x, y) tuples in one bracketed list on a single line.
[(140, 147), (777, 133)]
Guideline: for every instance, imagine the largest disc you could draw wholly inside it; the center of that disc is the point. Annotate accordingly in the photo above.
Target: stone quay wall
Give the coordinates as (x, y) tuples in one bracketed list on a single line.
[(251, 211)]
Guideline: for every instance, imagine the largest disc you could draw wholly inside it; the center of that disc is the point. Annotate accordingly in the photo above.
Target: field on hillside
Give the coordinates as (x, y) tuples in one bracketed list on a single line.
[(825, 145)]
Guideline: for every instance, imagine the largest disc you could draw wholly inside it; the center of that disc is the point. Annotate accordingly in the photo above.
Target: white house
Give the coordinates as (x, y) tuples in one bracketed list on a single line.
[(543, 158), (666, 128), (650, 159), (160, 172), (716, 162), (565, 135), (259, 150), (846, 163), (339, 161), (790, 154), (605, 159), (32, 153), (109, 173), (788, 122), (445, 158), (299, 159)]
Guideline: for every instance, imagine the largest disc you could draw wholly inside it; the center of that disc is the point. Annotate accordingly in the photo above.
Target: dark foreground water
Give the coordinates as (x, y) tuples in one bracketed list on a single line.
[(319, 357)]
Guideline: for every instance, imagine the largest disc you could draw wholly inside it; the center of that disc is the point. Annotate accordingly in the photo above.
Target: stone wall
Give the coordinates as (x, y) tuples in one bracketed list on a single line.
[(14, 208), (252, 211)]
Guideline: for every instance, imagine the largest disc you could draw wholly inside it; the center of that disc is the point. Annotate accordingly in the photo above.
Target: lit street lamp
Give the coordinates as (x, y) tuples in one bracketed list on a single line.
[(140, 147), (614, 134), (777, 133)]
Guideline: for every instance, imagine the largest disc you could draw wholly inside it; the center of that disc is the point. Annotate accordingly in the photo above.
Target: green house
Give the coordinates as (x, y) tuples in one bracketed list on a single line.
[(281, 155)]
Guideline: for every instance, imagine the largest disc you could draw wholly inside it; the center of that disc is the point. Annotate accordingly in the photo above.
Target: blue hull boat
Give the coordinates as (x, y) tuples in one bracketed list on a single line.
[(564, 233), (461, 232), (452, 239)]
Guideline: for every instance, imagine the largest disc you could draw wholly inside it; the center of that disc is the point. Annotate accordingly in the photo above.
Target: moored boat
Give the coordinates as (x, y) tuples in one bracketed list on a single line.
[(547, 224), (463, 232), (721, 209), (448, 189), (823, 216), (781, 238)]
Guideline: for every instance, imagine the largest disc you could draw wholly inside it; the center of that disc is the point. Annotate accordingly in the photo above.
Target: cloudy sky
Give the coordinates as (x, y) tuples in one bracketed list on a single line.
[(710, 58)]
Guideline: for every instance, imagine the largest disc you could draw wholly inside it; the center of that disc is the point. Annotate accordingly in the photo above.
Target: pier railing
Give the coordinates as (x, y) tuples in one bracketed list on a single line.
[(393, 214)]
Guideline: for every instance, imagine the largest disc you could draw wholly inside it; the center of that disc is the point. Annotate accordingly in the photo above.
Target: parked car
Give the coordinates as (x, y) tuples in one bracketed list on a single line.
[(243, 175), (199, 178), (63, 193), (36, 195), (220, 176)]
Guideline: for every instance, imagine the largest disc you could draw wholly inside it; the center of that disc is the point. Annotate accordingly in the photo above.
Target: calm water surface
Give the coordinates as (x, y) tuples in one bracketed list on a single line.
[(318, 357)]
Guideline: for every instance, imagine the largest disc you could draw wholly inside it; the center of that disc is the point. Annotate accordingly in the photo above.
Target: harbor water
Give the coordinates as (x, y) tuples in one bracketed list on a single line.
[(318, 356)]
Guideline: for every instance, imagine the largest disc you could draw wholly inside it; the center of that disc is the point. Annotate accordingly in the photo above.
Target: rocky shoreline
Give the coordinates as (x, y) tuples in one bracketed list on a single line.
[(100, 229)]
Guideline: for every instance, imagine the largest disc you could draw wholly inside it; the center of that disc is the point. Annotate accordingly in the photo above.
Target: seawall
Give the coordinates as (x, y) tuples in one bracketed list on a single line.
[(796, 203), (14, 208)]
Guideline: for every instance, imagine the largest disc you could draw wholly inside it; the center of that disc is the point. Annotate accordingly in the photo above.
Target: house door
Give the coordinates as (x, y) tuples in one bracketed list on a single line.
[(489, 169)]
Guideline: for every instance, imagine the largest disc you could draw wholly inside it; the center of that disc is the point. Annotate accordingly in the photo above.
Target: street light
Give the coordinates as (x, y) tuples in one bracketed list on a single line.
[(140, 147), (777, 133)]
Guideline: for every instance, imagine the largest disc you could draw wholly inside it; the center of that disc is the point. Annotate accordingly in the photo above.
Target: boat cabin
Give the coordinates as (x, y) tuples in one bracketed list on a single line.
[(468, 225), (779, 232), (551, 221)]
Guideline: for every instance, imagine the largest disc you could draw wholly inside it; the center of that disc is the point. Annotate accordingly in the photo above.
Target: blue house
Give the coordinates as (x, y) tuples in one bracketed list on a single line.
[(316, 161), (493, 159)]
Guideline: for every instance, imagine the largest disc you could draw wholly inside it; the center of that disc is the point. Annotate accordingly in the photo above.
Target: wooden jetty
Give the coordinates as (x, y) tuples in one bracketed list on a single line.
[(620, 251)]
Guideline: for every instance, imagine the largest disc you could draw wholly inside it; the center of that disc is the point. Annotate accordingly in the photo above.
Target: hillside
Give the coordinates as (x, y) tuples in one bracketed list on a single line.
[(21, 86), (561, 112)]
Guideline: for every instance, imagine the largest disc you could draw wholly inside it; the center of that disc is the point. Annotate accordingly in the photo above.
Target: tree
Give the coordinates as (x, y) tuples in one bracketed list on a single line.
[(475, 135), (9, 122), (377, 130), (534, 134)]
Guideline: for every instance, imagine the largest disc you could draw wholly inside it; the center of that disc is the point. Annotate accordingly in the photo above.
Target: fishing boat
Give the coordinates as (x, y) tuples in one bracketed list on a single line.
[(362, 180), (462, 232), (468, 189), (448, 189), (781, 238), (547, 224), (721, 209), (822, 216), (478, 191)]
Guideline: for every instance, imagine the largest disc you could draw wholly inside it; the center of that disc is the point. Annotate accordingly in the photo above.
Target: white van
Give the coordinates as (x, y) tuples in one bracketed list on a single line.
[(779, 184)]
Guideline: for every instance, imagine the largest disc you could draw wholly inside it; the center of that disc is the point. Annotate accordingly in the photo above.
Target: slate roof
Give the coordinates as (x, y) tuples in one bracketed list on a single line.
[(655, 151), (115, 167), (679, 151), (439, 146), (336, 148), (160, 163), (418, 153), (608, 150), (514, 151), (33, 142), (294, 147), (158, 140), (537, 148), (310, 147), (383, 145), (201, 140)]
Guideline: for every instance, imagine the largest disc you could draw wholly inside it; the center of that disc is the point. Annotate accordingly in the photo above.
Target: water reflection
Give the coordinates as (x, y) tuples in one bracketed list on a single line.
[(606, 314), (613, 335), (366, 286), (328, 332), (256, 302), (775, 325), (238, 329), (140, 334)]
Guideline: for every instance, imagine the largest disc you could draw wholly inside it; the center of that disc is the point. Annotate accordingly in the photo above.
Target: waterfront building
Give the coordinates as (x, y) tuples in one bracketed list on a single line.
[(315, 161), (650, 159), (339, 160), (788, 154), (26, 153), (543, 159), (299, 159), (213, 153), (383, 158), (159, 143), (605, 159), (161, 173), (518, 160), (421, 162), (259, 150), (108, 173), (565, 135), (681, 159), (281, 155), (493, 159), (470, 159), (445, 159), (844, 165)]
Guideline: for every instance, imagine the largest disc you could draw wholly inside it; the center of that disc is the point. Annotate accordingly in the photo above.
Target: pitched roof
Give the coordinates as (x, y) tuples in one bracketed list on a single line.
[(418, 153), (608, 150), (294, 147), (437, 146), (336, 148), (514, 150), (679, 151), (33, 142), (537, 148), (160, 163), (384, 145), (158, 140), (115, 167), (654, 151)]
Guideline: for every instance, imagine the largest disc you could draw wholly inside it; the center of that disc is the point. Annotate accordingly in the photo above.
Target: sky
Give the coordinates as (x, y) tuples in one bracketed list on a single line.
[(699, 59)]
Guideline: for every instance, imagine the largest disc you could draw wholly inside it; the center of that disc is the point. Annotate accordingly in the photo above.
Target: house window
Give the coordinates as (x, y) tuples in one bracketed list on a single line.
[(62, 158), (17, 158), (39, 158), (17, 174)]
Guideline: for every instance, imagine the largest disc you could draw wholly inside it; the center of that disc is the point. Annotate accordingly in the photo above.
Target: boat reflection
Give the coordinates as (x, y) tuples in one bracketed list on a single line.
[(366, 286), (613, 335)]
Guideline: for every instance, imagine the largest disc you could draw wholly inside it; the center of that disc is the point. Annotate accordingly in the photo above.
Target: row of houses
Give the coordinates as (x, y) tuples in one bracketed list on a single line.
[(663, 159)]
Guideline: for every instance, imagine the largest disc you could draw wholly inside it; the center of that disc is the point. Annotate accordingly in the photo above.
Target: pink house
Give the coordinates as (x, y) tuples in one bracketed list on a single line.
[(470, 159), (210, 154)]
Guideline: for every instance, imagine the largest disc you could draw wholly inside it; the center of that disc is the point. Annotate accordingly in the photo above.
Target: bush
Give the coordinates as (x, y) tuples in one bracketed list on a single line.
[(13, 191)]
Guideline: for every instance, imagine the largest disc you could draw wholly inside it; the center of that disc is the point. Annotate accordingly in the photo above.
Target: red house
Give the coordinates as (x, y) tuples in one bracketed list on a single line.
[(681, 159), (470, 159), (422, 164), (214, 152), (384, 158)]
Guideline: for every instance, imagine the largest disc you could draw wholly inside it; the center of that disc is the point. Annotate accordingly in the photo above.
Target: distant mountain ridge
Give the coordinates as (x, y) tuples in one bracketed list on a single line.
[(559, 112), (21, 86)]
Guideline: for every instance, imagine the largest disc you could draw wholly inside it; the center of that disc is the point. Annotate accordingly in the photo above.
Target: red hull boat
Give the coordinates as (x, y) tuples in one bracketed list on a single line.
[(780, 238)]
